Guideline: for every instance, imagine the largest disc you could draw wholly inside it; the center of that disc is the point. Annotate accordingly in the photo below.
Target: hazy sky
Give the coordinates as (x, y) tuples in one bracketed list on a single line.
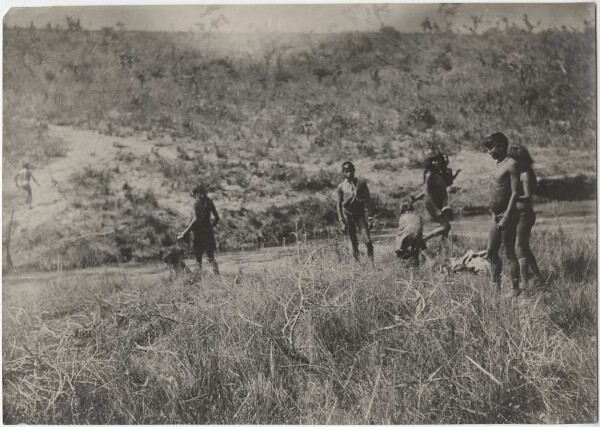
[(291, 17)]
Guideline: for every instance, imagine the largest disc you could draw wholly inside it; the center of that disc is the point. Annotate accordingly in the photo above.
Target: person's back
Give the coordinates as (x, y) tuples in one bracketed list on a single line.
[(409, 238), (436, 187), (24, 177), (410, 231), (202, 210)]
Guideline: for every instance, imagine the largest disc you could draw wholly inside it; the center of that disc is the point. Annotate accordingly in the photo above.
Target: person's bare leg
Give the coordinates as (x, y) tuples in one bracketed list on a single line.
[(366, 237), (509, 238), (29, 198), (526, 258), (353, 236), (442, 230), (211, 258), (494, 242), (199, 262)]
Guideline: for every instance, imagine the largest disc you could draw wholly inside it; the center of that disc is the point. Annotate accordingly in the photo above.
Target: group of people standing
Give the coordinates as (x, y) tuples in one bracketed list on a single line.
[(512, 187), (511, 191)]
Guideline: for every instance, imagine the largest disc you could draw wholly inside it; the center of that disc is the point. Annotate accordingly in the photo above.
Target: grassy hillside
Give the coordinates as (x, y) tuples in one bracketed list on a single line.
[(266, 125)]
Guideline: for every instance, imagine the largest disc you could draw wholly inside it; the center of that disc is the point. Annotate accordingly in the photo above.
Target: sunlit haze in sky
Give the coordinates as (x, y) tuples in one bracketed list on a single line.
[(317, 18)]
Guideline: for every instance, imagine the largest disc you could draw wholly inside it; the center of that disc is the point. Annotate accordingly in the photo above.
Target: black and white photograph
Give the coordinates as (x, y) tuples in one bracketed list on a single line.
[(299, 213)]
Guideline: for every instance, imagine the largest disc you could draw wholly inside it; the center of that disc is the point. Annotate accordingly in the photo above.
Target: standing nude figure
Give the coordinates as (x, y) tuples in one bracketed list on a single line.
[(23, 181), (503, 203), (527, 216)]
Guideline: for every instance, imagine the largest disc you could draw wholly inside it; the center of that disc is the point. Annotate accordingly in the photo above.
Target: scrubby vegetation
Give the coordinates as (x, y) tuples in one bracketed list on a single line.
[(538, 87), (317, 339), (266, 131)]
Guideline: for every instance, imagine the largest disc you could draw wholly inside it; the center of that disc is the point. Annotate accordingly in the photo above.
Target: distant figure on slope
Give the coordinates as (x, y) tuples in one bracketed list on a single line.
[(525, 211), (202, 228), (354, 209), (437, 177), (504, 194), (22, 180), (409, 240)]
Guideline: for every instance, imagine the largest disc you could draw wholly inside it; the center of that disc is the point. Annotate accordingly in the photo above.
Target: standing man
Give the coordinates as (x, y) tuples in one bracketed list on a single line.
[(354, 209), (22, 179), (202, 228), (503, 202)]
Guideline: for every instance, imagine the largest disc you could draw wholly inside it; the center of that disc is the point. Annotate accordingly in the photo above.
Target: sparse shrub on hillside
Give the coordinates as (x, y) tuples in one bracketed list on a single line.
[(415, 161), (92, 181), (28, 140), (322, 180), (386, 165), (442, 61), (422, 118), (434, 142)]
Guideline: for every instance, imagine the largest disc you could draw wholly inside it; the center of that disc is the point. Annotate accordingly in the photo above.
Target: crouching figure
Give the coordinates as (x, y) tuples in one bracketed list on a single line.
[(409, 240)]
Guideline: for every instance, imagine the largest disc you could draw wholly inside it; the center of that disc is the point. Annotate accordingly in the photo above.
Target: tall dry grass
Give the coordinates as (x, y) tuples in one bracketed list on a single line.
[(316, 339)]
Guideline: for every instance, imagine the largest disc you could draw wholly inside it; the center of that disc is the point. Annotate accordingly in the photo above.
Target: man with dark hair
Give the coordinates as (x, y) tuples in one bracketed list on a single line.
[(202, 228), (503, 201), (354, 208)]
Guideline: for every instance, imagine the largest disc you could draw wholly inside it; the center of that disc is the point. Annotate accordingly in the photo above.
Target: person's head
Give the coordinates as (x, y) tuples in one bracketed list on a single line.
[(521, 155), (26, 165), (496, 144), (198, 192), (440, 161), (434, 163), (348, 169)]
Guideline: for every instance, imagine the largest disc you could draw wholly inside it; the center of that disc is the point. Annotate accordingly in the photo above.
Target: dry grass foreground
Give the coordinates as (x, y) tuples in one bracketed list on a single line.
[(316, 339)]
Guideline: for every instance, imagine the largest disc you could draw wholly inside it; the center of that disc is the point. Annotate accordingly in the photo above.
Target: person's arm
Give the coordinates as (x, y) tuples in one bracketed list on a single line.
[(17, 179), (34, 180), (368, 207), (184, 233), (418, 197), (514, 188), (456, 173), (213, 209), (527, 190), (340, 199), (368, 204)]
